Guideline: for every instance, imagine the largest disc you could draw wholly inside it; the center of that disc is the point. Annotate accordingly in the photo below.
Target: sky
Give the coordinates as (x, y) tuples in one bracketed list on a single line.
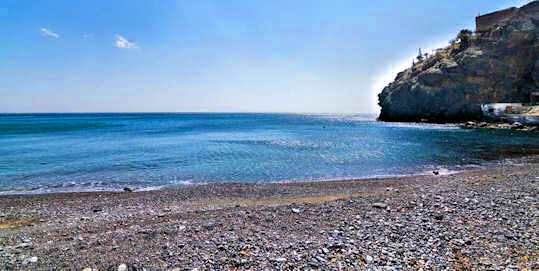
[(315, 56)]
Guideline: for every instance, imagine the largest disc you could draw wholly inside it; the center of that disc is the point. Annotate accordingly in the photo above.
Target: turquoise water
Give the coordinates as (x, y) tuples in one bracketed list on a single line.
[(80, 152)]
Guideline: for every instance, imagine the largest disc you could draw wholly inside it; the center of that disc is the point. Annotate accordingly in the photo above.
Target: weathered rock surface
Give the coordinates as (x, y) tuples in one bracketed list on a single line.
[(515, 126), (499, 65)]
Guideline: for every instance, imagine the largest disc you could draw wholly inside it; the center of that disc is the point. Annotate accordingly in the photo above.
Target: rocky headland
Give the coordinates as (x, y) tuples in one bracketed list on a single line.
[(498, 62)]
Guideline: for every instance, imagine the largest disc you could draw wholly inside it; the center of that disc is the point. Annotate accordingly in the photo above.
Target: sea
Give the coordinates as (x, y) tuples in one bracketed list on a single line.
[(46, 153)]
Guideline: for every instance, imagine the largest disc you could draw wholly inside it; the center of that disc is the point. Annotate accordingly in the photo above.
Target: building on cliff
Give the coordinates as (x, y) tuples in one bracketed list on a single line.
[(487, 22)]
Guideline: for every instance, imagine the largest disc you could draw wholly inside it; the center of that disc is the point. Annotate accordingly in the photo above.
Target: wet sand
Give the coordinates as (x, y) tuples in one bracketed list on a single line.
[(479, 219)]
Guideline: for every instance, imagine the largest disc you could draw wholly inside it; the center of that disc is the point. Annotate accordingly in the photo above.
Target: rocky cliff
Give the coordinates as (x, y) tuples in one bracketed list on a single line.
[(500, 64)]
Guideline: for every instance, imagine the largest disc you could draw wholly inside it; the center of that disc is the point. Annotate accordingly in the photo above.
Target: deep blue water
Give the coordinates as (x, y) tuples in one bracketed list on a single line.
[(76, 152)]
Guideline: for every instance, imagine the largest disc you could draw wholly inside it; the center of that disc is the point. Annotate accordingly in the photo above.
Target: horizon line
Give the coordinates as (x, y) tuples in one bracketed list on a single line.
[(188, 112)]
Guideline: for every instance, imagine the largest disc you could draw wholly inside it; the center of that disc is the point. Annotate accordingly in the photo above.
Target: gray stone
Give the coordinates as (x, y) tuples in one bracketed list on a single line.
[(30, 260), (368, 258), (517, 125), (380, 205)]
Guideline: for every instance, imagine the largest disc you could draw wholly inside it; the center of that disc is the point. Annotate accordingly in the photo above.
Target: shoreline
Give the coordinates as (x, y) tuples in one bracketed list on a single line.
[(474, 219), (38, 192), (442, 171)]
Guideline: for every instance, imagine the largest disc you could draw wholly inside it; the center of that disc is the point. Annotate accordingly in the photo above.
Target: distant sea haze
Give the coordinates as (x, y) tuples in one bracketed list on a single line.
[(42, 153)]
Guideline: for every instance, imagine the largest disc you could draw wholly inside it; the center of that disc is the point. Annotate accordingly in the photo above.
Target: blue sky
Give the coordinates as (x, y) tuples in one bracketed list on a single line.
[(215, 56)]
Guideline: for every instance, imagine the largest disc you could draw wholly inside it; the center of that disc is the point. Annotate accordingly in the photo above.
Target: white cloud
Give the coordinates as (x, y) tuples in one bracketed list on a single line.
[(123, 43), (48, 33), (87, 36)]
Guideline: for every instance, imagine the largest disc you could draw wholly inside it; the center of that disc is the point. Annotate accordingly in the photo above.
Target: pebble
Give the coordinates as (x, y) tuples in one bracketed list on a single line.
[(30, 260), (368, 258), (380, 205), (439, 217), (24, 245), (431, 228)]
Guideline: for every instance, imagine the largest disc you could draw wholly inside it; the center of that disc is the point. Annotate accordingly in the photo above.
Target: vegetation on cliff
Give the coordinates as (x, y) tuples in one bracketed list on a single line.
[(497, 65)]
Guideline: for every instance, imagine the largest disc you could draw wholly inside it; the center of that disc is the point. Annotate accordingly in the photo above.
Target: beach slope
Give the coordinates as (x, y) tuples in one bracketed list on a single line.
[(482, 219)]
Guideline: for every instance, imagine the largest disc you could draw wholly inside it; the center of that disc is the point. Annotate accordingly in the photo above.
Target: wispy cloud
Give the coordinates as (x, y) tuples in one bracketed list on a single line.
[(87, 36), (123, 43), (49, 33)]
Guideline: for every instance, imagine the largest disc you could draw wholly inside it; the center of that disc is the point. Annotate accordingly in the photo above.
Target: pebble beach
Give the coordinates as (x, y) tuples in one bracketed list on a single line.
[(485, 219)]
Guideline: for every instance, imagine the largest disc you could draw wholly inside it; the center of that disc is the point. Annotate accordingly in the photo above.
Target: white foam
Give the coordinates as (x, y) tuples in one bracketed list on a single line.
[(433, 126)]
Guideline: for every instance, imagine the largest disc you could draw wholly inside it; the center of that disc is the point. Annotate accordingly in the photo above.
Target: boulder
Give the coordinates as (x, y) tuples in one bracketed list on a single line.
[(380, 205), (517, 125)]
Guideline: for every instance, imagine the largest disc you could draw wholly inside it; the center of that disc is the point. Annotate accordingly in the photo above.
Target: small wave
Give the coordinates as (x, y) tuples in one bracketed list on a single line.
[(294, 143), (442, 171), (346, 117), (93, 186), (434, 126)]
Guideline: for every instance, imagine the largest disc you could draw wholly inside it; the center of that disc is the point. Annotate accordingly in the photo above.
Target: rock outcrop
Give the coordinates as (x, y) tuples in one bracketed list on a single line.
[(497, 65), (500, 126)]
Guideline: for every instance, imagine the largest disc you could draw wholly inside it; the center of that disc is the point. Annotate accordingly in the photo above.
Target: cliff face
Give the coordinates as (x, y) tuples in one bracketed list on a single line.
[(500, 64)]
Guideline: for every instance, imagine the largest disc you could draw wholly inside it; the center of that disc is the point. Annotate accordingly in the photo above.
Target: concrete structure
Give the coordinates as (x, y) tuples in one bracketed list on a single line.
[(497, 110), (488, 21), (511, 112)]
